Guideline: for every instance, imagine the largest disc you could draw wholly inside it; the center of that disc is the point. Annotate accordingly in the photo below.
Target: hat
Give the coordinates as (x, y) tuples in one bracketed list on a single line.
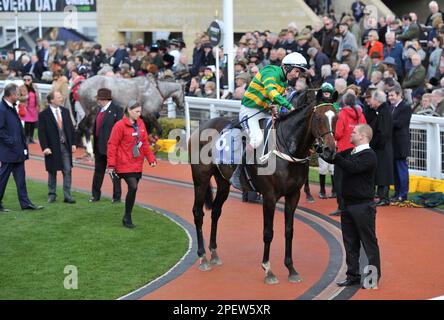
[(154, 48), (81, 70), (368, 92), (104, 94), (304, 35), (243, 75), (346, 18), (253, 55), (375, 55), (347, 47), (389, 61), (241, 62), (97, 46), (327, 87)]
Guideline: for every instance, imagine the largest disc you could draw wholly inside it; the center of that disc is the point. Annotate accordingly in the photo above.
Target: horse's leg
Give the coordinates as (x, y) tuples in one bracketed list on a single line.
[(201, 184), (269, 205), (223, 189), (88, 144), (291, 203)]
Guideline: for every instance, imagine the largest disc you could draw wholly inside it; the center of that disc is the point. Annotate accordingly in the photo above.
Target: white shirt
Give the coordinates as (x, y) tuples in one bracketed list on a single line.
[(361, 147), (105, 107), (54, 112)]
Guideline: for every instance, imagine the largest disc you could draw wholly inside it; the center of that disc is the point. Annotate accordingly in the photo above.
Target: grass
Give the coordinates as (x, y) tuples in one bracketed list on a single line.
[(111, 260)]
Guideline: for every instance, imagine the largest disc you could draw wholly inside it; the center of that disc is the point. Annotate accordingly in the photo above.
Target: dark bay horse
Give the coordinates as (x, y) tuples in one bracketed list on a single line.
[(295, 135)]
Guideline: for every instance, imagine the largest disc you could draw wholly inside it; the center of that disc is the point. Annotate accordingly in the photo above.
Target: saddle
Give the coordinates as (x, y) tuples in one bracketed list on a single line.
[(230, 147)]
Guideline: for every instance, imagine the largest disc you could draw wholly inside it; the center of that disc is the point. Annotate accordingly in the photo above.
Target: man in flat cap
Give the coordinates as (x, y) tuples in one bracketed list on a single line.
[(108, 114)]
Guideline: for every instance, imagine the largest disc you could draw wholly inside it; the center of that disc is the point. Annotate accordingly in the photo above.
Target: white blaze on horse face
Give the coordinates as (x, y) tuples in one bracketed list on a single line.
[(330, 115)]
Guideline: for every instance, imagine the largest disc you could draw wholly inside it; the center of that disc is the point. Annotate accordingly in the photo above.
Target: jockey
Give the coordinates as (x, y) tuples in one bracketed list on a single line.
[(266, 89), (327, 94)]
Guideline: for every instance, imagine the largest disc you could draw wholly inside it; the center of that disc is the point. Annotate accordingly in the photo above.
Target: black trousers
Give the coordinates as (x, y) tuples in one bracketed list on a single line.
[(358, 225), (337, 178), (100, 163), (132, 180), (29, 130)]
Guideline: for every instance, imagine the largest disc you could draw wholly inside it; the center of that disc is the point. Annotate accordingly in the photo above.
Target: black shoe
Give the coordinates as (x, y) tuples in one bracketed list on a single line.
[(348, 282), (244, 196), (70, 201), (336, 213), (333, 195), (32, 207), (2, 209), (309, 198), (51, 199), (128, 224), (92, 199), (116, 201), (322, 195), (398, 199), (382, 203)]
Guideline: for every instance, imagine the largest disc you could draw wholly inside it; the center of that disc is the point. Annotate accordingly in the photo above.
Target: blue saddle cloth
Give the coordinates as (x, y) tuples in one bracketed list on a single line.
[(228, 148)]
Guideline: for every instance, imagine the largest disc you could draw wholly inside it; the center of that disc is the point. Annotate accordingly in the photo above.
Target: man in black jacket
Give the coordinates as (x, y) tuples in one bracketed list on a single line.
[(358, 219), (401, 115), (107, 115), (56, 137), (379, 117)]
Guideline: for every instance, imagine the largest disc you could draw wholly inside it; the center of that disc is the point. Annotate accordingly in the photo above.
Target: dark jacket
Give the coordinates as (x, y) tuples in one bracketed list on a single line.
[(395, 53), (13, 146), (382, 125), (401, 116), (358, 175), (49, 137), (113, 114)]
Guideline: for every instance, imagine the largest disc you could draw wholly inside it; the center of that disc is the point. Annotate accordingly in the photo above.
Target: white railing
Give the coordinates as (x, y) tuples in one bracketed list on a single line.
[(42, 88), (427, 135)]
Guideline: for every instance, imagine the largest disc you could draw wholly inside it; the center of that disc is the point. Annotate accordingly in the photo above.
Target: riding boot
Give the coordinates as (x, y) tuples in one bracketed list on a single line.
[(235, 178)]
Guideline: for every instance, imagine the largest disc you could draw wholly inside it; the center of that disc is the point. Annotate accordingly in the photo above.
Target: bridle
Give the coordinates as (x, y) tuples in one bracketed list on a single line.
[(319, 144), (158, 90)]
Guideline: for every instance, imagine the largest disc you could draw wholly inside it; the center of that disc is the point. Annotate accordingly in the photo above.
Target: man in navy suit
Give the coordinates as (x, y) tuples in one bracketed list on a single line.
[(401, 115), (13, 149)]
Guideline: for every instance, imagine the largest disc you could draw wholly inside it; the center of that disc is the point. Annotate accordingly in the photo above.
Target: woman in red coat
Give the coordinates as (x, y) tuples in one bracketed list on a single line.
[(128, 147), (374, 45)]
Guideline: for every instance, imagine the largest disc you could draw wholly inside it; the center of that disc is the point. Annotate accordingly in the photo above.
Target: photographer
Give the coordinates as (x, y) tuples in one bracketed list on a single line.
[(128, 146)]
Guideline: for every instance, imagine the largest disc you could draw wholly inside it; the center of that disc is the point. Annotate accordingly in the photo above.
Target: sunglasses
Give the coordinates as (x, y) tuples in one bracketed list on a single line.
[(27, 79)]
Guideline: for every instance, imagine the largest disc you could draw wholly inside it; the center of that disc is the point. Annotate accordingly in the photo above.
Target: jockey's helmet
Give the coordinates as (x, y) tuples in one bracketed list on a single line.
[(294, 60), (327, 87)]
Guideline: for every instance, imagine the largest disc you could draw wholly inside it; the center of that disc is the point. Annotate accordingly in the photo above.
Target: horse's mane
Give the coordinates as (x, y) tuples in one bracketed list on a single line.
[(296, 121)]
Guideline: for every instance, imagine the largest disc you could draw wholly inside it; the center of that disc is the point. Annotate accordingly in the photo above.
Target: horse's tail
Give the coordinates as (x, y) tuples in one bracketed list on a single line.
[(209, 197)]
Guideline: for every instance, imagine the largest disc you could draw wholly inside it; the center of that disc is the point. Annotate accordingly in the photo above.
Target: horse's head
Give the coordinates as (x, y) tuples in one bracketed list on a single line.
[(323, 123), (151, 123)]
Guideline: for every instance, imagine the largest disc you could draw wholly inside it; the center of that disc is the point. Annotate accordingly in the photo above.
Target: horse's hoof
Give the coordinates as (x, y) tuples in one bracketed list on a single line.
[(271, 279), (294, 278), (204, 265), (215, 260)]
